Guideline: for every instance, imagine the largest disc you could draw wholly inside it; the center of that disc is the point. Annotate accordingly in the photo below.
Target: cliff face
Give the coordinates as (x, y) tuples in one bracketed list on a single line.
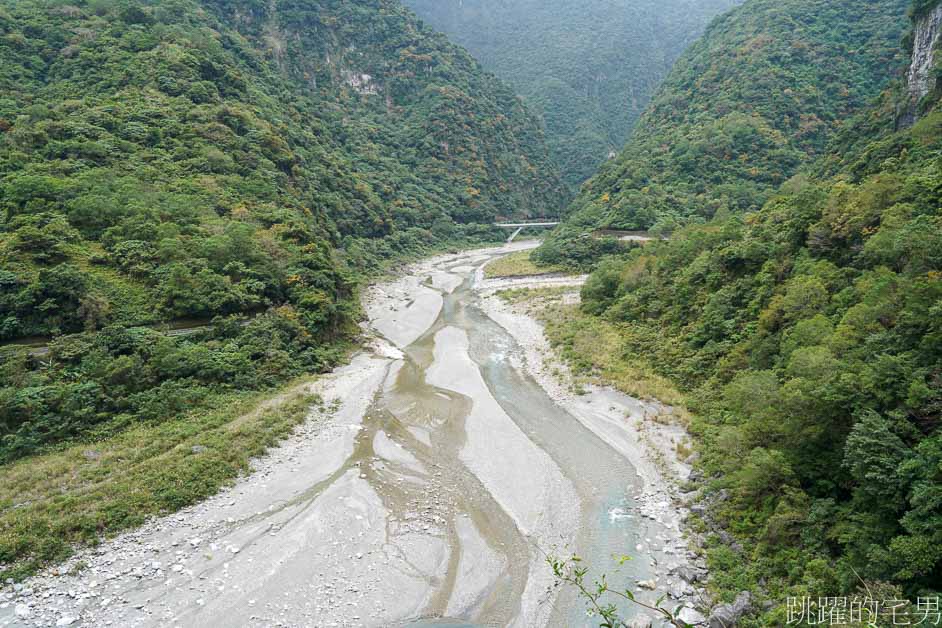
[(926, 34)]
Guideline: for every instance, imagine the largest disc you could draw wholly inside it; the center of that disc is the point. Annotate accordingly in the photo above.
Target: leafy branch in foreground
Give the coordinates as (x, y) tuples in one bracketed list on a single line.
[(570, 571)]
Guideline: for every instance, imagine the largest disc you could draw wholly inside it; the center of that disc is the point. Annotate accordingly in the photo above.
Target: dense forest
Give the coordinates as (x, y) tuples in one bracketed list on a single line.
[(743, 109), (590, 68), (189, 160), (806, 334)]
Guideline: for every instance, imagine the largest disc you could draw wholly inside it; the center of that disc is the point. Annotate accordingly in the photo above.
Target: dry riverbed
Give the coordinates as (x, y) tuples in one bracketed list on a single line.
[(447, 459)]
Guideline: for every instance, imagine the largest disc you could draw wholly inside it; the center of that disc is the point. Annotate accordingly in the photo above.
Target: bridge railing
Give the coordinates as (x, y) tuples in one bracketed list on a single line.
[(528, 223)]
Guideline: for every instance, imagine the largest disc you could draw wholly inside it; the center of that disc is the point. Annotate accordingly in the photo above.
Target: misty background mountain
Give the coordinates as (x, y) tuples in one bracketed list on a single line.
[(590, 68)]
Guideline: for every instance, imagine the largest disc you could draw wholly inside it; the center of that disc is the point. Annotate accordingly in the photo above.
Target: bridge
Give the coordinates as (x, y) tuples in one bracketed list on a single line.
[(520, 226)]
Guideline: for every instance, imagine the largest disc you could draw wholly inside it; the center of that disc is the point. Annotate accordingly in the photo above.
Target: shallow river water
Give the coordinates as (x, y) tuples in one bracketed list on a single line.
[(429, 495), (603, 479)]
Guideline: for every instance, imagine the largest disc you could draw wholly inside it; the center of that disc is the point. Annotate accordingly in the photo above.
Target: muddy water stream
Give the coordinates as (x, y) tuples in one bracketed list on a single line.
[(429, 423)]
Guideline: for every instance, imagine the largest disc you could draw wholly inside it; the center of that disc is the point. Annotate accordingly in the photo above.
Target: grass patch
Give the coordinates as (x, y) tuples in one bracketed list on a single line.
[(598, 351), (518, 264), (53, 503)]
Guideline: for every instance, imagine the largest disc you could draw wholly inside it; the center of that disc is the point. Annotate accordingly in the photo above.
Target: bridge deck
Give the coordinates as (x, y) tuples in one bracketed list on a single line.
[(515, 225)]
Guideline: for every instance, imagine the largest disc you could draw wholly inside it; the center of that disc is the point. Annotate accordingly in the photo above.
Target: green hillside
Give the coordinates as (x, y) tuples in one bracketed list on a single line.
[(184, 159), (807, 337), (589, 67), (762, 92)]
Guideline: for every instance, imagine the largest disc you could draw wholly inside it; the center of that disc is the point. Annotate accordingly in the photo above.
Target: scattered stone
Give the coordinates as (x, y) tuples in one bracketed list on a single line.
[(650, 585)]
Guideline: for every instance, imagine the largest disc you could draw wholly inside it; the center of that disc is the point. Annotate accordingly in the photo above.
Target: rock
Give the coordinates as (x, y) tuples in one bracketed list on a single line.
[(679, 589), (691, 616), (197, 449), (21, 611), (640, 621), (686, 574), (650, 585), (65, 620), (726, 615), (91, 454)]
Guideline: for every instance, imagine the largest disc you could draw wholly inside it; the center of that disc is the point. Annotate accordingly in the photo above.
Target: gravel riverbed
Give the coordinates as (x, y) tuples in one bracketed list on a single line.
[(425, 488)]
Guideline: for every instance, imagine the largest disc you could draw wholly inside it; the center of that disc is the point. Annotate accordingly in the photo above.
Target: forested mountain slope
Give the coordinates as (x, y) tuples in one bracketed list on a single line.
[(589, 67), (761, 93), (141, 139), (807, 334), (180, 158)]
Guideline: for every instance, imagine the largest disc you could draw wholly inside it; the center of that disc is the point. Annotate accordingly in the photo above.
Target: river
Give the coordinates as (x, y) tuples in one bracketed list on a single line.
[(427, 492)]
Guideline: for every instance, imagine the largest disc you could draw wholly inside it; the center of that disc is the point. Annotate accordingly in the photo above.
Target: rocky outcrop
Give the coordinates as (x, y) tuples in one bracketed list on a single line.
[(925, 41), (926, 34)]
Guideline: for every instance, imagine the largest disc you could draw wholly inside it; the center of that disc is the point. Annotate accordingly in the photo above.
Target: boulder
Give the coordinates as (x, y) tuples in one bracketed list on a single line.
[(727, 615), (691, 616), (686, 574)]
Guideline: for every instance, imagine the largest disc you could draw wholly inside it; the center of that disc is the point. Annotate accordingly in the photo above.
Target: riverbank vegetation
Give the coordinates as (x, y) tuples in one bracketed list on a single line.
[(577, 336), (518, 264), (50, 504)]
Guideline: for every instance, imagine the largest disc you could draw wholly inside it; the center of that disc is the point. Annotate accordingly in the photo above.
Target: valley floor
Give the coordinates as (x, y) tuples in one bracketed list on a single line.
[(446, 460)]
